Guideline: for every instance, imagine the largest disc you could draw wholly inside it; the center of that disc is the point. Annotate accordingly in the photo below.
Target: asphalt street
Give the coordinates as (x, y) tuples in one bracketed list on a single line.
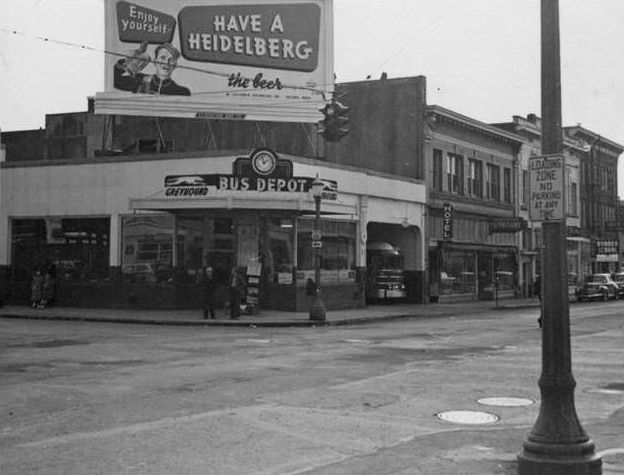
[(83, 397)]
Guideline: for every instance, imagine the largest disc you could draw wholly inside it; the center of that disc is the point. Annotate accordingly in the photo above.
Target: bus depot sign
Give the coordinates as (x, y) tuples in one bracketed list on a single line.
[(547, 188), (221, 59), (262, 171)]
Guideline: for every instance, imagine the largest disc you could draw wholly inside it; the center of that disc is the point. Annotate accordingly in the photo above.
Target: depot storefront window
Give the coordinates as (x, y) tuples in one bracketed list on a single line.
[(147, 243), (277, 250), (150, 254), (76, 248), (337, 261)]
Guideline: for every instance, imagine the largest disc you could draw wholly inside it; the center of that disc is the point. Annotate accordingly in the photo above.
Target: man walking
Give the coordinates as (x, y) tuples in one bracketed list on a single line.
[(209, 287), (537, 290)]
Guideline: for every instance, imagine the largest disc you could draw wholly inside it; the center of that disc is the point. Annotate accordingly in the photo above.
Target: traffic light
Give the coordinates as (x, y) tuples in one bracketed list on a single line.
[(333, 127)]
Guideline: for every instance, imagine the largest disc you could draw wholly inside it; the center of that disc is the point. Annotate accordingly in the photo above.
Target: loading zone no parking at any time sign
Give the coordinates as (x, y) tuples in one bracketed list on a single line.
[(546, 188)]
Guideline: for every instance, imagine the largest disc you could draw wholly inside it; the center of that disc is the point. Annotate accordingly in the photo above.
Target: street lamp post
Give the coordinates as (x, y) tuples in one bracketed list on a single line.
[(317, 311), (557, 445)]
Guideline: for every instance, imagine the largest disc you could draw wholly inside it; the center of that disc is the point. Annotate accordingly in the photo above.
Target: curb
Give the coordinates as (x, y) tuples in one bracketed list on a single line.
[(222, 323), (266, 323)]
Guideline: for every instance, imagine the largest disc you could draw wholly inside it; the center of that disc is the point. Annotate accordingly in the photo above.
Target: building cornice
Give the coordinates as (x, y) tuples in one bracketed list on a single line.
[(592, 137), (450, 140), (436, 113)]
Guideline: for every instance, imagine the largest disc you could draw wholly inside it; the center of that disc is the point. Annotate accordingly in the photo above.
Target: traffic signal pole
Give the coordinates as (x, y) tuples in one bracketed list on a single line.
[(557, 444)]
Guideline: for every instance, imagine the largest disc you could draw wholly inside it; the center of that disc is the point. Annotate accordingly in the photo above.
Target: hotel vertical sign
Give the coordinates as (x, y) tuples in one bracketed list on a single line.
[(447, 221), (547, 188)]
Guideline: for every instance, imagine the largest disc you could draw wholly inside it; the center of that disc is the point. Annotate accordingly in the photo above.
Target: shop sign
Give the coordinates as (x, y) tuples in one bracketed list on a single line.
[(54, 231), (224, 58), (327, 276), (447, 221), (262, 171), (507, 225), (574, 231), (546, 188), (607, 250), (615, 225)]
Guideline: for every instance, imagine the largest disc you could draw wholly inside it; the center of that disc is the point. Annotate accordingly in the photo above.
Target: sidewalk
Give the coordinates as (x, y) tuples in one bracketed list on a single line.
[(266, 318)]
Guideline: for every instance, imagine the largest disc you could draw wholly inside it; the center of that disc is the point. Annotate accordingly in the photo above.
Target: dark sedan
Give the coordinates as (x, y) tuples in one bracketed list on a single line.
[(619, 280), (598, 287)]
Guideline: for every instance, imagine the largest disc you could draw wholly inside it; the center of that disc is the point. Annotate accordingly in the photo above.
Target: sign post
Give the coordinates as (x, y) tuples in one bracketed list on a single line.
[(557, 444)]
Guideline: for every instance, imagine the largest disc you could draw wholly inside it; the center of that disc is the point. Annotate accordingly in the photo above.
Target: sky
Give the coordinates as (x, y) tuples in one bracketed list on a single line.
[(481, 58)]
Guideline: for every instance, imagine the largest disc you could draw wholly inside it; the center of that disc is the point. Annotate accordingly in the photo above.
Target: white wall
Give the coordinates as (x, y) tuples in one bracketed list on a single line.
[(106, 188)]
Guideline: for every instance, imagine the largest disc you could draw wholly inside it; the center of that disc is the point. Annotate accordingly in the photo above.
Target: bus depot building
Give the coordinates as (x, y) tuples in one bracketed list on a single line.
[(138, 232)]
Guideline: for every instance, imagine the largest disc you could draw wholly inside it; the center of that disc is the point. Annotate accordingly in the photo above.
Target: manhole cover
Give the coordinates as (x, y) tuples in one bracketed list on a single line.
[(606, 391), (468, 417), (505, 401)]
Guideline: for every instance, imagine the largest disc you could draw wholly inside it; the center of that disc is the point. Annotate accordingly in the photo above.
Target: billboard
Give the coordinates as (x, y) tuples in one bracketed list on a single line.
[(221, 59)]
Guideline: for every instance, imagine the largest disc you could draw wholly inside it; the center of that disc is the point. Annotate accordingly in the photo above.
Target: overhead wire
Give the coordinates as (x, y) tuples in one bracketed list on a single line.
[(322, 92)]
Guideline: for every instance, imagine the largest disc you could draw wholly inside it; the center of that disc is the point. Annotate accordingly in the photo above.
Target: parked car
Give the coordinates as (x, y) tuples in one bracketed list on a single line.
[(598, 287), (618, 278)]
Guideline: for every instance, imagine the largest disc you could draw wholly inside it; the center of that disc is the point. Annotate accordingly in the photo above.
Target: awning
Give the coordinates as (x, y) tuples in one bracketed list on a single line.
[(232, 202)]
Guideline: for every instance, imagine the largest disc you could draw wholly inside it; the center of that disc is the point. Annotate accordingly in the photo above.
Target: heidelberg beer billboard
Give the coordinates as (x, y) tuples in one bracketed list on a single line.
[(221, 59)]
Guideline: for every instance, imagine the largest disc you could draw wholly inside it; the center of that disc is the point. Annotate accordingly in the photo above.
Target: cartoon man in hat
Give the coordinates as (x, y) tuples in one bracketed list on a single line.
[(129, 78)]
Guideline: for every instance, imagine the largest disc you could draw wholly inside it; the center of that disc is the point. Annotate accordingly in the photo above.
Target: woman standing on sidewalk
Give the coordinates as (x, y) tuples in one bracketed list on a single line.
[(36, 289)]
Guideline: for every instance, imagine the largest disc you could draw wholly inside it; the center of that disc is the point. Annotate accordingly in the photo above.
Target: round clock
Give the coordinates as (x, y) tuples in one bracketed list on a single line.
[(264, 163)]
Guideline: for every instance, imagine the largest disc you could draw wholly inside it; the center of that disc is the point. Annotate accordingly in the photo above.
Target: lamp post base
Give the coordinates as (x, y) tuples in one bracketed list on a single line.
[(559, 459), (317, 312)]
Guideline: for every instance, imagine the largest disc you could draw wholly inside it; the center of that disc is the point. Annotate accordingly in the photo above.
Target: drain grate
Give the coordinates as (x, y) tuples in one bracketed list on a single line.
[(505, 401), (468, 417)]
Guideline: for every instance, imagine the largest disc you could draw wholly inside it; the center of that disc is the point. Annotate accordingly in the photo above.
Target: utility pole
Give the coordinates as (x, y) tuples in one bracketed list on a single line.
[(557, 444)]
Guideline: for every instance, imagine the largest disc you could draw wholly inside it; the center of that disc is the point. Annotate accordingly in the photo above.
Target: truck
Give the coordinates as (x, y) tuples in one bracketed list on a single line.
[(385, 277)]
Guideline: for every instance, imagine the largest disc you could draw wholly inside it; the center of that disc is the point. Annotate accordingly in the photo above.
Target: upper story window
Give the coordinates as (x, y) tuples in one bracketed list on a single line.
[(525, 189), (572, 199), (611, 174), (507, 185), (437, 170), (475, 178), (493, 182), (455, 174)]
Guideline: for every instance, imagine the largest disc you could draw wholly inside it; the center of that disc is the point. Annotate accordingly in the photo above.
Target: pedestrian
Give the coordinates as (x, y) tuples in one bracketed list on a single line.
[(209, 286), (36, 289), (236, 286), (537, 290), (48, 287)]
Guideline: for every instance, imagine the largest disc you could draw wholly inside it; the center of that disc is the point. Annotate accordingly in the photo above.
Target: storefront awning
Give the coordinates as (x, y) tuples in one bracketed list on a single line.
[(303, 206), (448, 245)]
